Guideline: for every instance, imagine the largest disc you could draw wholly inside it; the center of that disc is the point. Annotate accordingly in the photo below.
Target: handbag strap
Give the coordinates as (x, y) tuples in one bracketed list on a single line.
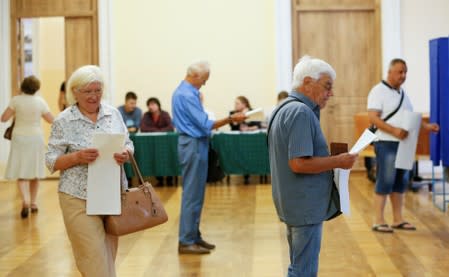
[(136, 167)]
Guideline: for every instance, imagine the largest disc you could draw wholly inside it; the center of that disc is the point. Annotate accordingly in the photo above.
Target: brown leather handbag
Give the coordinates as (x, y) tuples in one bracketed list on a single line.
[(8, 132), (141, 209)]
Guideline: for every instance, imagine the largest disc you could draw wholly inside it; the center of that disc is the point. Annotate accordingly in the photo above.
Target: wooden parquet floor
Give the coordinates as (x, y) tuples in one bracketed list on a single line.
[(250, 240)]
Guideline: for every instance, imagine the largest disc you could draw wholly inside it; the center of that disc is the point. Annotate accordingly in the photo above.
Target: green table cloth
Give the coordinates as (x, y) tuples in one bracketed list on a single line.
[(240, 153), (156, 154)]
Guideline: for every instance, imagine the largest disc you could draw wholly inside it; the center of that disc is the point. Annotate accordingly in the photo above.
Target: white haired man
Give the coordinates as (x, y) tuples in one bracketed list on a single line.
[(301, 167), (194, 128)]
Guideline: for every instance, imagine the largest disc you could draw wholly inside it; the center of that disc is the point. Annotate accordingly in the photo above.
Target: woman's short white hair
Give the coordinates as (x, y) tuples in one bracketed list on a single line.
[(198, 68), (81, 78), (311, 67)]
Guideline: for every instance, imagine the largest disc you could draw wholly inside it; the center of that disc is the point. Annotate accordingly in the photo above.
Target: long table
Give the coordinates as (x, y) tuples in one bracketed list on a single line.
[(240, 153)]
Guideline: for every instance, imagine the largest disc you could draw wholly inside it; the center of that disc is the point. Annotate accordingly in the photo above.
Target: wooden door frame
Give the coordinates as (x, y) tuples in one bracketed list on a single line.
[(376, 8), (16, 14), (105, 28)]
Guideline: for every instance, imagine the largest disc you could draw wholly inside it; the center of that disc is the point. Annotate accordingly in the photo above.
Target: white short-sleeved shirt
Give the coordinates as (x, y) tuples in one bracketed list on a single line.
[(28, 112), (385, 99)]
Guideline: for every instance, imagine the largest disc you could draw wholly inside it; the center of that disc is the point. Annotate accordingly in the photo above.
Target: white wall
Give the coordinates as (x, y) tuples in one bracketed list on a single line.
[(149, 44), (154, 42), (5, 78), (420, 22), (51, 62)]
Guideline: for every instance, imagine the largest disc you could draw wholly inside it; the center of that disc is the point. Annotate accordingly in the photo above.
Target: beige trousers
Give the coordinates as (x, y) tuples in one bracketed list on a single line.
[(94, 250)]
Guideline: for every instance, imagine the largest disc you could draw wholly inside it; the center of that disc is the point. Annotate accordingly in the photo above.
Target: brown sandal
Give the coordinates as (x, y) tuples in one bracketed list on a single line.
[(404, 226), (34, 208), (382, 228)]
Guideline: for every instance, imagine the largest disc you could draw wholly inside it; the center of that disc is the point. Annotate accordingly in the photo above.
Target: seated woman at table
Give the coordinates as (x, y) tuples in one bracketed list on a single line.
[(157, 120), (242, 104)]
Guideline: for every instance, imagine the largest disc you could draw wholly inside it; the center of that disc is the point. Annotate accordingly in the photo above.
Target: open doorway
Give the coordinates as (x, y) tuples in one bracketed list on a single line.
[(80, 34), (42, 53)]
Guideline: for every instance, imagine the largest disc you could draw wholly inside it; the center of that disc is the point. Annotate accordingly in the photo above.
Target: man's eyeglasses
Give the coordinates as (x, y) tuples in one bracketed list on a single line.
[(327, 87)]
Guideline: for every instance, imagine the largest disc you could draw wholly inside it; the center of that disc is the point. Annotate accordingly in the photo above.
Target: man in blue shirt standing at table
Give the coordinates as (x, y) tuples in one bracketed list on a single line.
[(194, 128), (301, 168)]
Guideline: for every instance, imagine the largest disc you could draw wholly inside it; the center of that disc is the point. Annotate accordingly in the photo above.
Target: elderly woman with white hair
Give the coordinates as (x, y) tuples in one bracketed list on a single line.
[(301, 168), (70, 151)]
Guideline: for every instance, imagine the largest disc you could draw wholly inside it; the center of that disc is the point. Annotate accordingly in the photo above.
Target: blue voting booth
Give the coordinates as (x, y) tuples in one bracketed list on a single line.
[(439, 113)]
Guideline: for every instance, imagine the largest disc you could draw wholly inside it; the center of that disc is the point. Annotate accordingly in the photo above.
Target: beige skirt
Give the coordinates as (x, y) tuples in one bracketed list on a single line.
[(26, 158)]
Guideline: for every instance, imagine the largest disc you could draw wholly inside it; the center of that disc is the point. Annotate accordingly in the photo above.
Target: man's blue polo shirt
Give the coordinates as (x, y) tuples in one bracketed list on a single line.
[(300, 199)]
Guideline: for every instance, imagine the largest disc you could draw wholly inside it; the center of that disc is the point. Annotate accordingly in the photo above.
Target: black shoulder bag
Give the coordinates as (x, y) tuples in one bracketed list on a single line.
[(373, 127)]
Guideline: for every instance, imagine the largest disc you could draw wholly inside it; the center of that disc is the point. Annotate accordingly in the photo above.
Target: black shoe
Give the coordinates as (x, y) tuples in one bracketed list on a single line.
[(205, 244), (192, 249), (24, 212)]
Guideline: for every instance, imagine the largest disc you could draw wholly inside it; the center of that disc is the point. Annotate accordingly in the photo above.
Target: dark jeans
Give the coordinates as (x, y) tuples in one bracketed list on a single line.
[(389, 179)]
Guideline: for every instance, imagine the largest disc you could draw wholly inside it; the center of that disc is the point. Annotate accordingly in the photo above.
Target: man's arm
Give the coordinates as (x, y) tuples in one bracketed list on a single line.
[(314, 165), (374, 118), (432, 127), (236, 117)]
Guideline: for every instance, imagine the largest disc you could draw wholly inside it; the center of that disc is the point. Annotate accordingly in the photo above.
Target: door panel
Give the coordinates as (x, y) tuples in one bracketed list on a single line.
[(81, 31), (345, 34), (80, 43)]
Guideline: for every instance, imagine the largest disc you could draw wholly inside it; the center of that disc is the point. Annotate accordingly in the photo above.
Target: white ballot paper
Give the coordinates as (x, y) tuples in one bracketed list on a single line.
[(341, 176), (103, 177), (254, 113), (364, 140), (341, 179), (405, 157)]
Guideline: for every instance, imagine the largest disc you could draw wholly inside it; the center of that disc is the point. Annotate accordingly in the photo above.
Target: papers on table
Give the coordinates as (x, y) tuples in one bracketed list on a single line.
[(240, 132), (364, 140), (103, 178), (405, 156), (341, 176), (151, 133)]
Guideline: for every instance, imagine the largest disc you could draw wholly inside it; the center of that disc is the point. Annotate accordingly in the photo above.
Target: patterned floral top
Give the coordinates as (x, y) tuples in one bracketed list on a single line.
[(72, 131)]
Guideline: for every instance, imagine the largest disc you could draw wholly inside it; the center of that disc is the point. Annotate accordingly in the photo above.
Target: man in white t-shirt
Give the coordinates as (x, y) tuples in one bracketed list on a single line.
[(383, 99)]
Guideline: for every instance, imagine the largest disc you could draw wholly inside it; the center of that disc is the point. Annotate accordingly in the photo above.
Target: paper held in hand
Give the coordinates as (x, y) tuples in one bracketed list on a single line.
[(364, 140), (103, 177), (254, 113), (405, 156), (341, 176)]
